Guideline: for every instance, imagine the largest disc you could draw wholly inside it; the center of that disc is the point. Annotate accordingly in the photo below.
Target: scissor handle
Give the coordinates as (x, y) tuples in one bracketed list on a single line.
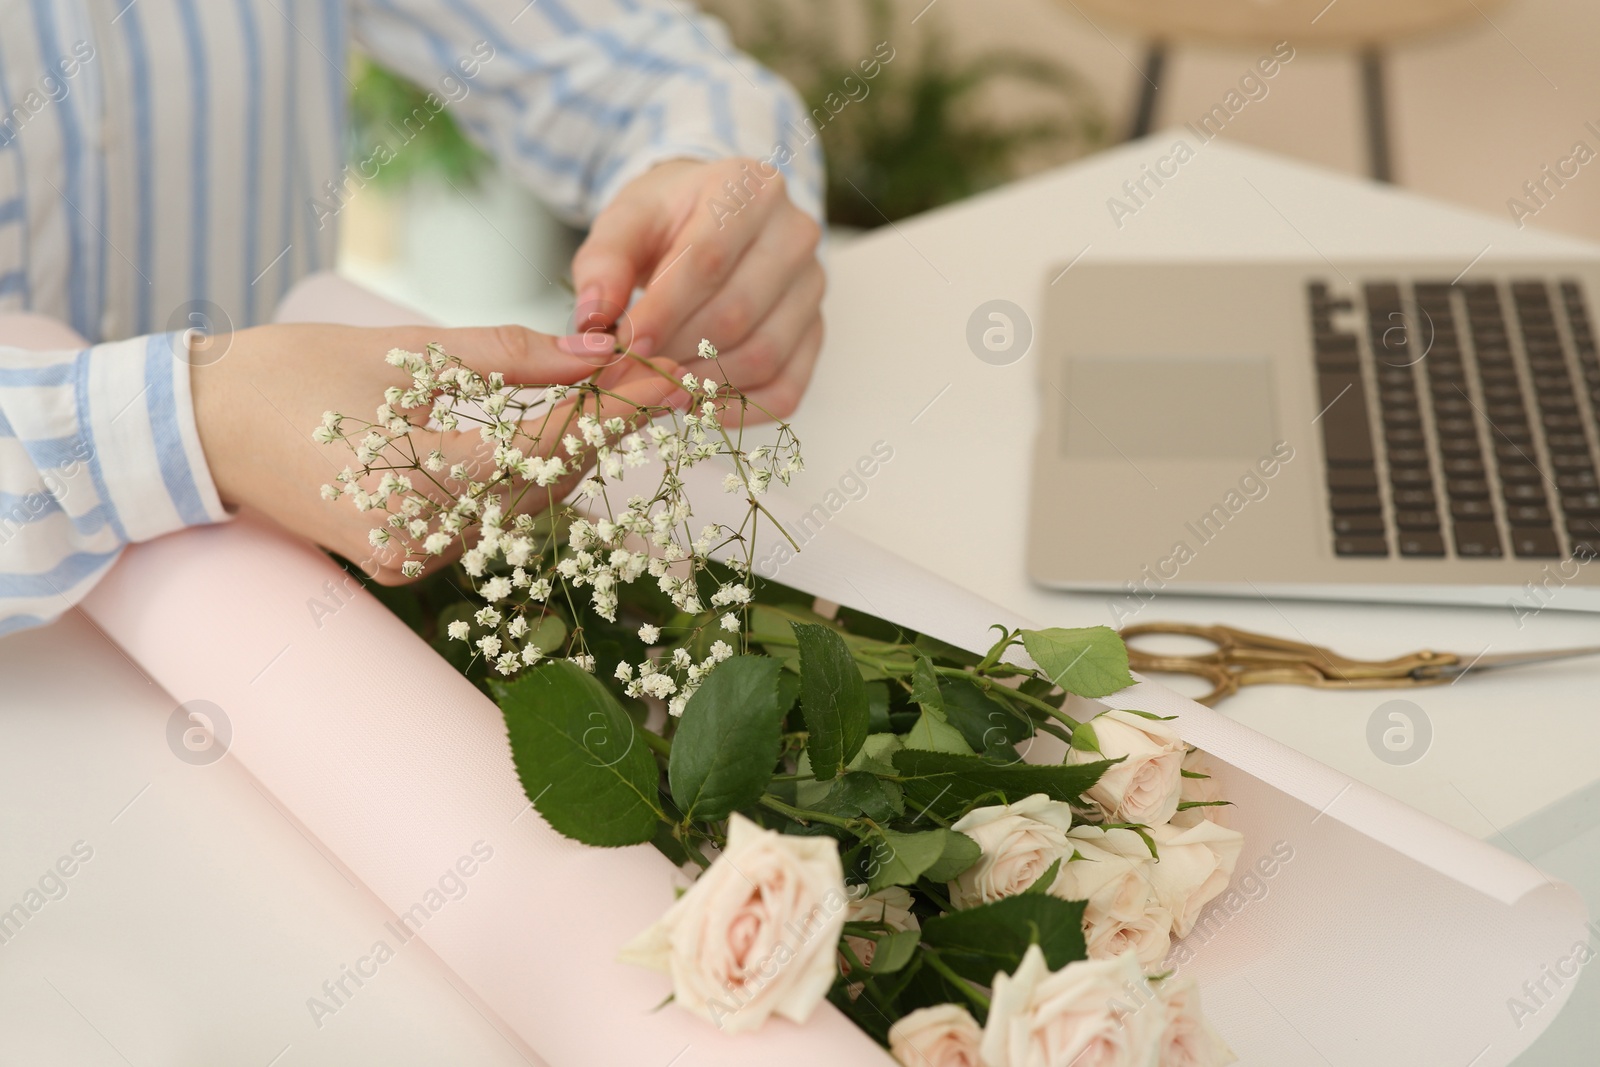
[(1244, 658), (1224, 682), (1235, 646)]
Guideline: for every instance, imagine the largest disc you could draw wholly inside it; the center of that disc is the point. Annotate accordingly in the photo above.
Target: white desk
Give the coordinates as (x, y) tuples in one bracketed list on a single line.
[(204, 921), (954, 497)]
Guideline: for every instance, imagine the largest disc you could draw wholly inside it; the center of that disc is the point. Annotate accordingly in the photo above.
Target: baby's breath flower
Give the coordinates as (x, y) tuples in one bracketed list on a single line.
[(484, 507)]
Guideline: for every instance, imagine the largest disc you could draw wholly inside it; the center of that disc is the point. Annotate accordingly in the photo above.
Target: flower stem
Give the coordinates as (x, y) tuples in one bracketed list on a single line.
[(803, 815), (968, 989), (656, 743)]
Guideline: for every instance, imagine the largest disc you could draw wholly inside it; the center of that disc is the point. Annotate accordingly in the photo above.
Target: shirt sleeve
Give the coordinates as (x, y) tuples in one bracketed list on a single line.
[(578, 97), (98, 449)]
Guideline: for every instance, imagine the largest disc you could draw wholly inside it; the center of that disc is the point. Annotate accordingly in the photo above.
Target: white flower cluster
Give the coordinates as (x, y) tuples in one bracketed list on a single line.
[(499, 502), (673, 678)]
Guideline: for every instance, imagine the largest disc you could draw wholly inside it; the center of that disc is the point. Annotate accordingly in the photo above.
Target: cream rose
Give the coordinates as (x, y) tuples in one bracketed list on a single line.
[(1145, 786), (1019, 841), (945, 1035), (1083, 1015), (1195, 866), (890, 906), (1188, 1040), (1112, 871), (757, 934)]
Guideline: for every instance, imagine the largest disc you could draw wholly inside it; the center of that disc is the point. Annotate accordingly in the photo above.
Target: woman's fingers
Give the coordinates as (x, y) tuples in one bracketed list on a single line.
[(765, 353), (780, 265), (781, 396)]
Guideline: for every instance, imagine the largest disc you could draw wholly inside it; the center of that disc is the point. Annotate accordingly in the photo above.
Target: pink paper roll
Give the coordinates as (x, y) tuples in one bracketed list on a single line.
[(401, 770)]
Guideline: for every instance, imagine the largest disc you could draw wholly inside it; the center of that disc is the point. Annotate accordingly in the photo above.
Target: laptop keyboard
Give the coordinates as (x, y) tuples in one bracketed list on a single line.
[(1459, 420)]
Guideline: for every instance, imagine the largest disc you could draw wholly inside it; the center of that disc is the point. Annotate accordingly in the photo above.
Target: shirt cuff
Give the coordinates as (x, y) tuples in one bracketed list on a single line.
[(136, 414)]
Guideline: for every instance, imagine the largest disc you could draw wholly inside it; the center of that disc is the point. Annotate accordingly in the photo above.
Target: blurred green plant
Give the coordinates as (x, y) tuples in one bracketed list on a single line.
[(387, 109), (919, 138)]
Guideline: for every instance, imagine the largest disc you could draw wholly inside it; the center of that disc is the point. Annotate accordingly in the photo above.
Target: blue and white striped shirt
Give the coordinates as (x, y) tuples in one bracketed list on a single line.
[(162, 159)]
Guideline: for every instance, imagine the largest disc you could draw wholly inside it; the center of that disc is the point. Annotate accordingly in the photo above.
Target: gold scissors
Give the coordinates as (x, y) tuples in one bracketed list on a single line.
[(1243, 658)]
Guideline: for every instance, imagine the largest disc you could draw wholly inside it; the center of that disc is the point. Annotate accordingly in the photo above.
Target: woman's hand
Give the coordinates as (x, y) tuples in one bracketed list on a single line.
[(722, 254), (256, 406)]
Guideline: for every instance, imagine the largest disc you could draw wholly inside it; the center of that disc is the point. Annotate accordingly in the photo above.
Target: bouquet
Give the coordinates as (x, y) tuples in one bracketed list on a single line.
[(864, 814)]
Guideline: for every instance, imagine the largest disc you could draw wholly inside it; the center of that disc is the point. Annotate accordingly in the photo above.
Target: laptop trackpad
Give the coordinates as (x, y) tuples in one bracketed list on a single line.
[(1168, 407)]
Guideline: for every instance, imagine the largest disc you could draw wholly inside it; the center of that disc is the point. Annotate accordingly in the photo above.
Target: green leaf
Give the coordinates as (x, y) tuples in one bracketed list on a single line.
[(949, 784), (987, 725), (932, 733), (877, 754), (1090, 661), (770, 628), (578, 757), (788, 691), (1084, 739), (548, 633), (894, 951), (857, 793), (980, 941), (1047, 879), (878, 707), (833, 699), (727, 740), (900, 859), (925, 685)]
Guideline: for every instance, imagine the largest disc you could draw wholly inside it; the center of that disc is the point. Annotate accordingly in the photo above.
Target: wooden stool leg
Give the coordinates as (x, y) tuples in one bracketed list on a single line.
[(1375, 109), (1155, 61)]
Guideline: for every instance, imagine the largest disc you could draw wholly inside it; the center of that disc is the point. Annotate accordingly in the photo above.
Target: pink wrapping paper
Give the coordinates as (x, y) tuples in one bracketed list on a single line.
[(1387, 938)]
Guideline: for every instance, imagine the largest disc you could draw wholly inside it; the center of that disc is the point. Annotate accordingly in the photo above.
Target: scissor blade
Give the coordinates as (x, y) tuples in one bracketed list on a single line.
[(1520, 659)]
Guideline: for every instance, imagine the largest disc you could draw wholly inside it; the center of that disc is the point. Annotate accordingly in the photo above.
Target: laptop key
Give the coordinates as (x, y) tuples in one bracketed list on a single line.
[(1584, 505), (1346, 432), (1463, 467), (1576, 481), (1524, 494), (1360, 546), (1401, 416), (1567, 442), (1472, 509), (1565, 461), (1585, 541), (1422, 544), (1415, 499), (1461, 446), (1408, 457), (1528, 515), (1411, 477), (1478, 540), (1417, 520), (1353, 479), (1467, 488), (1519, 473), (1358, 525), (1535, 543), (1404, 438), (1355, 503)]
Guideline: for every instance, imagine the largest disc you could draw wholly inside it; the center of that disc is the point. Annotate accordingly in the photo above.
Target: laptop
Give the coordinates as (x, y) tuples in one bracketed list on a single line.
[(1380, 432)]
